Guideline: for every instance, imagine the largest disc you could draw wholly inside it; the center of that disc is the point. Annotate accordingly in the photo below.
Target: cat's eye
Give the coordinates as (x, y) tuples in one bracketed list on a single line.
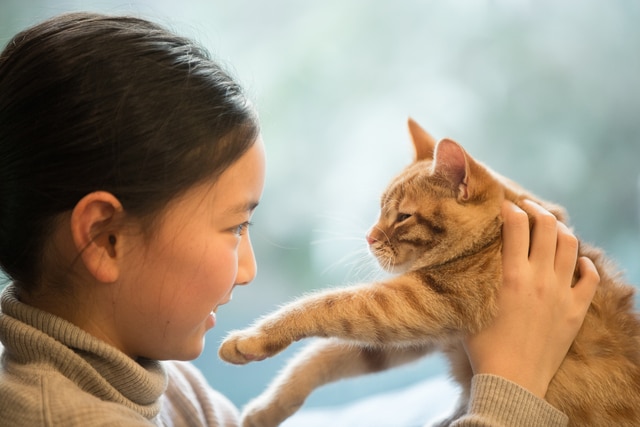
[(402, 217)]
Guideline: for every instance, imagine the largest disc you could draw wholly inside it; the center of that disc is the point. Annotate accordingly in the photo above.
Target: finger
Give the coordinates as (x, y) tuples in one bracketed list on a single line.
[(515, 234), (566, 253), (585, 288), (543, 235)]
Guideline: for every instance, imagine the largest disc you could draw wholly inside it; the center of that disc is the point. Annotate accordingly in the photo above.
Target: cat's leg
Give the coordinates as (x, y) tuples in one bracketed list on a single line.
[(320, 363), (400, 311), (461, 373)]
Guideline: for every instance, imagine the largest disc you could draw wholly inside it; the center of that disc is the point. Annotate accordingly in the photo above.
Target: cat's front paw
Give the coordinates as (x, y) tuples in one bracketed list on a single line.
[(242, 347), (267, 411)]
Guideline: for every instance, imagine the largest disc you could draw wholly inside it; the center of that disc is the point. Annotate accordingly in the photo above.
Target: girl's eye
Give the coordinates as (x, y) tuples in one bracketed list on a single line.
[(402, 217), (241, 229)]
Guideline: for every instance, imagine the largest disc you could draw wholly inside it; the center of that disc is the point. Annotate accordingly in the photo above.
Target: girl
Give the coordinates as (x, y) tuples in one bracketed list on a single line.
[(130, 166)]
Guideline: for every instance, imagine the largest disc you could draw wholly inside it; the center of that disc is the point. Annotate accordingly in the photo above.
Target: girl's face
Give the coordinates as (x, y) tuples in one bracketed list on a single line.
[(173, 283)]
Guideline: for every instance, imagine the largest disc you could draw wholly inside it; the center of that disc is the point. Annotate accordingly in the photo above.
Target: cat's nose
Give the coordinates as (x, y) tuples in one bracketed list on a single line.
[(370, 239)]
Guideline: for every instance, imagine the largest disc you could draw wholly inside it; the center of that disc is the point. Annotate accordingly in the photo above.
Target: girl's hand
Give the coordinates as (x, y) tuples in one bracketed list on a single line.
[(539, 313)]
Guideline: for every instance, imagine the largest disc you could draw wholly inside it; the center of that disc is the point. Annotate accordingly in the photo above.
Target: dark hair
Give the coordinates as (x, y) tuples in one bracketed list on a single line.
[(92, 102)]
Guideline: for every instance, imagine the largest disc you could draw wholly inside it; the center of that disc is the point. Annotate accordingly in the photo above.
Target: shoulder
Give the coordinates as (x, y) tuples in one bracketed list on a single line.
[(189, 396), (21, 396), (36, 394)]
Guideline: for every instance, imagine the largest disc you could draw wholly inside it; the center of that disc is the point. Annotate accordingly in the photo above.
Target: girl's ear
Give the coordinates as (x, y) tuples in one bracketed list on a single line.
[(96, 234), (423, 142)]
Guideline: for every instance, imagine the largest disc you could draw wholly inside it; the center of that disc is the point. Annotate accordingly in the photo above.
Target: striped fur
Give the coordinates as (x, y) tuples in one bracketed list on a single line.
[(439, 230)]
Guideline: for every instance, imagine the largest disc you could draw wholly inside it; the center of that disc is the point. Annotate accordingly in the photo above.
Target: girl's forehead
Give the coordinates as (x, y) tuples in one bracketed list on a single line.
[(239, 188)]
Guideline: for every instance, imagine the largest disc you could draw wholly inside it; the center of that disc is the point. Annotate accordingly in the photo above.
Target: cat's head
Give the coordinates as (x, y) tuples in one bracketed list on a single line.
[(443, 205)]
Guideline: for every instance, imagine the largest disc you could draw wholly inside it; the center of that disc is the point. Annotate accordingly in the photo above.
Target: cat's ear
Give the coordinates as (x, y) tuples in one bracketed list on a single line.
[(451, 162), (423, 143)]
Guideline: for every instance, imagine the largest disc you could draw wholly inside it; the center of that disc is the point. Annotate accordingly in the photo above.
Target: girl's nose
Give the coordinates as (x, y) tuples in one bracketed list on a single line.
[(247, 266)]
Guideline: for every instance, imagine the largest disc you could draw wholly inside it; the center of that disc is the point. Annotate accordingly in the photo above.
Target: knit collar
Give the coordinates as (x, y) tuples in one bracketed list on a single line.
[(31, 335)]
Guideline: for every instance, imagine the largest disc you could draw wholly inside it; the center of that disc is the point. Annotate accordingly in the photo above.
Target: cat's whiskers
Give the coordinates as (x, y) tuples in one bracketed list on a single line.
[(364, 268), (337, 237), (355, 262), (390, 263)]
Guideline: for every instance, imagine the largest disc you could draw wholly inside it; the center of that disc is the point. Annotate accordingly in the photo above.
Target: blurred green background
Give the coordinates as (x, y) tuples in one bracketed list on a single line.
[(545, 92)]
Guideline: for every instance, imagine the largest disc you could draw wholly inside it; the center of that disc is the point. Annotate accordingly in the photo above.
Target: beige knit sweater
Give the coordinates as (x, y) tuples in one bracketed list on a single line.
[(53, 373)]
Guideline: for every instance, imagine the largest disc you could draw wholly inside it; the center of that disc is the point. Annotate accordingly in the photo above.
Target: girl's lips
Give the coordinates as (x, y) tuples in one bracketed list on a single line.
[(211, 320), (215, 309)]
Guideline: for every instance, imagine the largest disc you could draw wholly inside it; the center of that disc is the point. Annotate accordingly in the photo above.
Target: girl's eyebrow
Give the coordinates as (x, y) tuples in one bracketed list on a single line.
[(243, 208)]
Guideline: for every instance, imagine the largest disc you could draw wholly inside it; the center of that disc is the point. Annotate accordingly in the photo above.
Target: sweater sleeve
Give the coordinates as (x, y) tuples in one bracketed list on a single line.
[(496, 402), (189, 400)]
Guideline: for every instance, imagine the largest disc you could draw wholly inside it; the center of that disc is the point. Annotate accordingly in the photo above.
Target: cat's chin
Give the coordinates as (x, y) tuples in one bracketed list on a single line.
[(390, 264), (397, 269)]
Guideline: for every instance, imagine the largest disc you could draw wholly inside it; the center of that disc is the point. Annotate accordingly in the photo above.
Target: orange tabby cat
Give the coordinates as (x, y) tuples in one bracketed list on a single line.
[(440, 231)]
